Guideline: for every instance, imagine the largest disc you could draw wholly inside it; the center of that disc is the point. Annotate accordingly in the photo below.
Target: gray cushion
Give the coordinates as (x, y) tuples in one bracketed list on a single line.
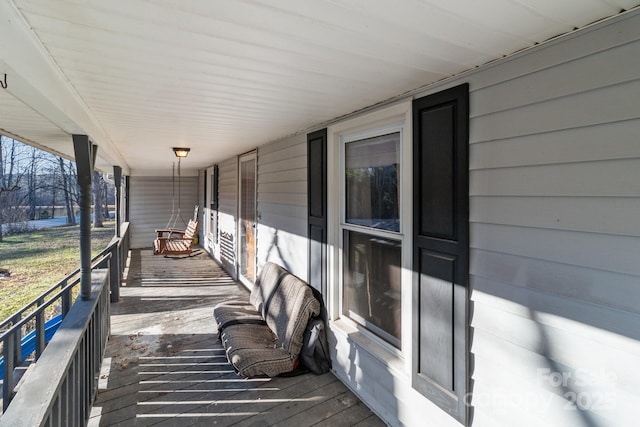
[(254, 350), (233, 311), (266, 282), (289, 311)]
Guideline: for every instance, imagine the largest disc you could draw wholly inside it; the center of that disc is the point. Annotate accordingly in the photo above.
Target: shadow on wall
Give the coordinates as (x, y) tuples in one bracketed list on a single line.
[(274, 253), (564, 381), (227, 251)]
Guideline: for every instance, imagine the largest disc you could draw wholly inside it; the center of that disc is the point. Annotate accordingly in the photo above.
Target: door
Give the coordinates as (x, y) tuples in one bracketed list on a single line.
[(247, 218)]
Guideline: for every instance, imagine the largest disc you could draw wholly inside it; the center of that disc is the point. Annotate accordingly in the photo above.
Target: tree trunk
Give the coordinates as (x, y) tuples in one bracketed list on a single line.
[(97, 200), (54, 179), (31, 183), (68, 203), (105, 199), (2, 185)]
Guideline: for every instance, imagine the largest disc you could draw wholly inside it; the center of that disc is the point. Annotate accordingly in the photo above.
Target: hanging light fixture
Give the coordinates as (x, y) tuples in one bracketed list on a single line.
[(181, 152)]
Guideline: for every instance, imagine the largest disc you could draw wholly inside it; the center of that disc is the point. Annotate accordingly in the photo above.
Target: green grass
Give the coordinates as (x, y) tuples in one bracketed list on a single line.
[(41, 258)]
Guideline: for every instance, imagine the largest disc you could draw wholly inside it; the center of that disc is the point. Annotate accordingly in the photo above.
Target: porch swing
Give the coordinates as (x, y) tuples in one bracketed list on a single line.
[(171, 240)]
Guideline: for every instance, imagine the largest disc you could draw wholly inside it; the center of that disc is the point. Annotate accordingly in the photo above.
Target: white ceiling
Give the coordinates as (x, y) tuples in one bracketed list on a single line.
[(222, 77)]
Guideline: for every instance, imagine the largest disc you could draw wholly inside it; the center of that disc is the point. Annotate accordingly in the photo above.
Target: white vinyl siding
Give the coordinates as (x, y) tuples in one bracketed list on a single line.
[(554, 188), (282, 204), (151, 203), (555, 196), (554, 270)]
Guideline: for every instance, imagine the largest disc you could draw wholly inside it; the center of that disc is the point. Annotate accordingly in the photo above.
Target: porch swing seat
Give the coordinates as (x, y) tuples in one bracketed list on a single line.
[(175, 242)]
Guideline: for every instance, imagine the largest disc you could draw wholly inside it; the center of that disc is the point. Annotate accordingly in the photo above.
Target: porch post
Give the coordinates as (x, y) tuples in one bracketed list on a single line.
[(85, 160), (117, 178), (127, 184), (116, 255)]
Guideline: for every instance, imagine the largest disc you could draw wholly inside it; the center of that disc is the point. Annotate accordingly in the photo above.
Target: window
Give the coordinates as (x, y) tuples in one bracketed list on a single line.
[(398, 233), (372, 284), (372, 243), (371, 176)]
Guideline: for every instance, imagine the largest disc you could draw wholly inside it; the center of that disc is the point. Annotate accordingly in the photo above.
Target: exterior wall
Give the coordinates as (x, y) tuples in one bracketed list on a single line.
[(282, 205), (555, 192), (555, 196), (151, 205), (555, 237), (281, 208)]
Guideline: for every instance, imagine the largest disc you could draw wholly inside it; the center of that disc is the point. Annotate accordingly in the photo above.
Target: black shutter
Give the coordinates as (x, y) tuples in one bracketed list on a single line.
[(204, 203), (215, 202), (317, 198), (441, 248), (214, 188)]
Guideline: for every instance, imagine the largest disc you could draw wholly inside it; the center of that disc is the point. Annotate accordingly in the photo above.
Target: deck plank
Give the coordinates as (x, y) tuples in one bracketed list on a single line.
[(164, 364)]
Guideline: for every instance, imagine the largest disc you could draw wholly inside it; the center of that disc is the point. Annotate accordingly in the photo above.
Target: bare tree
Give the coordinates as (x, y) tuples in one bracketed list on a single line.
[(32, 182), (67, 192), (52, 185), (97, 200), (52, 191), (13, 166), (105, 197), (2, 188)]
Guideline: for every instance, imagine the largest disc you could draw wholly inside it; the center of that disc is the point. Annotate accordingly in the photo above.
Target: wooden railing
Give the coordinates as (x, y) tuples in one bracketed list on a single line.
[(60, 386)]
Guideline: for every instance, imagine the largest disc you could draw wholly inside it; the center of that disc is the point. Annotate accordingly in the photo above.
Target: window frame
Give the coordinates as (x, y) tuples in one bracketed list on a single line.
[(400, 236), (358, 136), (392, 343), (398, 159)]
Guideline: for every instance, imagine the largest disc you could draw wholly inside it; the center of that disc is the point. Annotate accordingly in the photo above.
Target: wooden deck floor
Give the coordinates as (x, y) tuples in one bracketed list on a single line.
[(164, 364)]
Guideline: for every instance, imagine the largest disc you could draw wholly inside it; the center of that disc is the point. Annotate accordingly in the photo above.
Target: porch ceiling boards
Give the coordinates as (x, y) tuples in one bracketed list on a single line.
[(225, 76), (164, 363)]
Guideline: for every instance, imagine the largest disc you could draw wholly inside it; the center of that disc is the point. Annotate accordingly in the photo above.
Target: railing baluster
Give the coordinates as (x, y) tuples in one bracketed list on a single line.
[(40, 337), (66, 299), (75, 397), (7, 381), (84, 374), (114, 274), (17, 350), (64, 404), (55, 413)]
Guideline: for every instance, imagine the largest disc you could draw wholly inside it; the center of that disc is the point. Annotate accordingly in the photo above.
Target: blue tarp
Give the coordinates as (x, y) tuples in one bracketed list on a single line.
[(28, 342)]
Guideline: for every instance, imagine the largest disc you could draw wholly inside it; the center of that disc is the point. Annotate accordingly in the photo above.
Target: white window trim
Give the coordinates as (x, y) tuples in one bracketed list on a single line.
[(387, 120)]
